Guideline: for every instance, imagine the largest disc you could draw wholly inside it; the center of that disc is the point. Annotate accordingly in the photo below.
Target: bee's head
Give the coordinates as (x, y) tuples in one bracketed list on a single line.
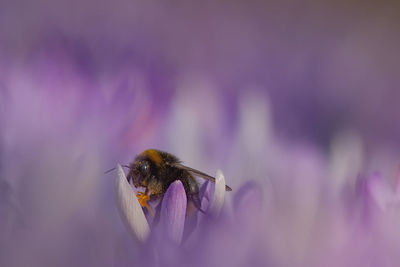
[(140, 172)]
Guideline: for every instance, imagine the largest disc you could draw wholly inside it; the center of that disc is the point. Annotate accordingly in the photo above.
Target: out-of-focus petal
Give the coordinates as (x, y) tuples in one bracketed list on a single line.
[(129, 208), (173, 211), (380, 191), (248, 199), (346, 158), (219, 193)]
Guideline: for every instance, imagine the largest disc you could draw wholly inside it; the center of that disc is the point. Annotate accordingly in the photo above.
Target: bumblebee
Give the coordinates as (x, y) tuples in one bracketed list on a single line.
[(155, 170)]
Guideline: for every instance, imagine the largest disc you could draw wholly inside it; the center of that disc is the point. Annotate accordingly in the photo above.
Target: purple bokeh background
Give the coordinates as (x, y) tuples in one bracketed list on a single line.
[(299, 96), (325, 64)]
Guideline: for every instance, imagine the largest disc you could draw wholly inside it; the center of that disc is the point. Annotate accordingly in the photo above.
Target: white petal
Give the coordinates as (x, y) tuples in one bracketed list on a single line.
[(219, 193), (129, 208)]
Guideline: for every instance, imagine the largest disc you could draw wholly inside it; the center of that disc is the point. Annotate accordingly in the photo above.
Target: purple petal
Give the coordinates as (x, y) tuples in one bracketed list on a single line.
[(173, 211), (129, 208), (206, 195)]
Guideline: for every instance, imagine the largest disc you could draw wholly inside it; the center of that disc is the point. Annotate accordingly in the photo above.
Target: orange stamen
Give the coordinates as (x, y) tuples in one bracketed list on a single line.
[(143, 198)]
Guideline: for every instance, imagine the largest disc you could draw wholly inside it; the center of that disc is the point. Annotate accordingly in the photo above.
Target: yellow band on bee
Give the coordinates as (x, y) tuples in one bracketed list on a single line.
[(153, 155)]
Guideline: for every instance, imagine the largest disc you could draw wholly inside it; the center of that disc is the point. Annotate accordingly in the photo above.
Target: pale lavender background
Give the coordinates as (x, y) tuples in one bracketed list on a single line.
[(259, 89)]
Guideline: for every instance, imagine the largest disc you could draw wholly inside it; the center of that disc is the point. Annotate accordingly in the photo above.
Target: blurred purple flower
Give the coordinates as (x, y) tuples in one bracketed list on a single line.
[(380, 191), (377, 195)]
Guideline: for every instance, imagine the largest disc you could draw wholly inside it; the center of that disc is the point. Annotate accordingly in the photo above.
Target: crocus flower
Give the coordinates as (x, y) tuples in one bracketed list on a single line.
[(173, 207)]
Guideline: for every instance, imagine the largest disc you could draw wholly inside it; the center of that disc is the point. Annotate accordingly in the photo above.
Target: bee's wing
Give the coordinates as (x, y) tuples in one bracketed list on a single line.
[(199, 174)]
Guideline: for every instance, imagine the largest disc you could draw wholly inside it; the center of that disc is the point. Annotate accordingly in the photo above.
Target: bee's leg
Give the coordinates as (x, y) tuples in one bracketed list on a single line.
[(196, 201), (192, 192)]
